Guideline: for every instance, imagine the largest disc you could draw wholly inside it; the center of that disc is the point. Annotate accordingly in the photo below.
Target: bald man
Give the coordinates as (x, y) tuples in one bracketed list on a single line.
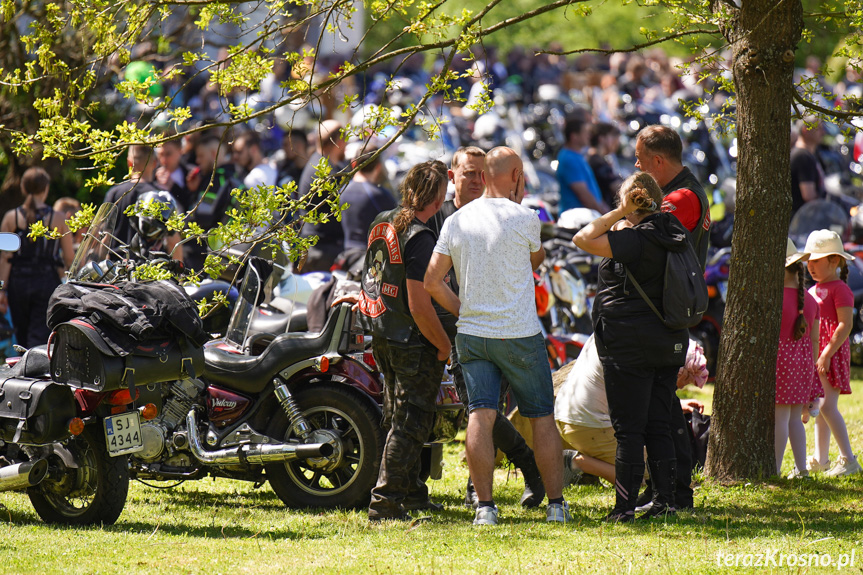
[(493, 245)]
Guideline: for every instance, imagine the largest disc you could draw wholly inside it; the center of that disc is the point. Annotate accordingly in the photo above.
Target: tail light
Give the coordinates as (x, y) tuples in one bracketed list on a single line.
[(323, 364), (76, 426), (120, 397), (149, 411)]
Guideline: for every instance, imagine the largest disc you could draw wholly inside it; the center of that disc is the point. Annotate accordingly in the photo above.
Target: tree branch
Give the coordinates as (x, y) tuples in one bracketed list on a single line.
[(839, 114), (635, 48)]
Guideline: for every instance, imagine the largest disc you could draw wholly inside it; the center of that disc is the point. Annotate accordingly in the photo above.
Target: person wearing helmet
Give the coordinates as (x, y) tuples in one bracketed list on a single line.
[(141, 160)]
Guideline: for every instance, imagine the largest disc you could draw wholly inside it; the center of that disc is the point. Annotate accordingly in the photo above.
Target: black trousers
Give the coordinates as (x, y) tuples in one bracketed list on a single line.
[(28, 292), (412, 376), (640, 406)]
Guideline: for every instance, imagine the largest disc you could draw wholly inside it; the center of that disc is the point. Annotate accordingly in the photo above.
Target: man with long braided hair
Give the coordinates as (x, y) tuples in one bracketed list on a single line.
[(409, 343)]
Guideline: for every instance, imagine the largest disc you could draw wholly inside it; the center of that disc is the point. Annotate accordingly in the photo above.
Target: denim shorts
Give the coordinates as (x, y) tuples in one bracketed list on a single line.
[(524, 363)]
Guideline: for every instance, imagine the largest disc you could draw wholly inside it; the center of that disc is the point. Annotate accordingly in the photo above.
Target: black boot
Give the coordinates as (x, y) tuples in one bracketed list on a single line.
[(663, 476), (627, 480), (507, 438), (470, 497)]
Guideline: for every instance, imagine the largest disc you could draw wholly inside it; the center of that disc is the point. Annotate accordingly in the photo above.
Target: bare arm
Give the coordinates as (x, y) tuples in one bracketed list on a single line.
[(537, 258), (843, 330), (593, 238), (426, 318), (436, 287), (5, 257), (587, 200), (808, 191)]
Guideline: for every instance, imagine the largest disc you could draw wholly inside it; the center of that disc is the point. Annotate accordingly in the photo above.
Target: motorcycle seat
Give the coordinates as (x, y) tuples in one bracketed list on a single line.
[(34, 363), (252, 374)]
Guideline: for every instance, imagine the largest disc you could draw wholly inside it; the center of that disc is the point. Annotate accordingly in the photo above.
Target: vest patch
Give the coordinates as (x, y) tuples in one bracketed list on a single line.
[(370, 307), (390, 290), (387, 232)]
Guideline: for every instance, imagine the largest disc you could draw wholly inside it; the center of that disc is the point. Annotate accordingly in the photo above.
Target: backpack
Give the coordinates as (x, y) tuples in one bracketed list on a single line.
[(684, 291)]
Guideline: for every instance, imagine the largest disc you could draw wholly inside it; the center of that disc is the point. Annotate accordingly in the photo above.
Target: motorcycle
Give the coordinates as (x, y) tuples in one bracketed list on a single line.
[(299, 410), (66, 441), (707, 332)]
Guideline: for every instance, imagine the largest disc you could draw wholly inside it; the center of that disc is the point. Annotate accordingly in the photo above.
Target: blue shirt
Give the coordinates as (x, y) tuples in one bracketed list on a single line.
[(572, 167)]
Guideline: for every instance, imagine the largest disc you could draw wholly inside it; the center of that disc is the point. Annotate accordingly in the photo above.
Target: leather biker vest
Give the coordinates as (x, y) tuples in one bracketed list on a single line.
[(383, 305)]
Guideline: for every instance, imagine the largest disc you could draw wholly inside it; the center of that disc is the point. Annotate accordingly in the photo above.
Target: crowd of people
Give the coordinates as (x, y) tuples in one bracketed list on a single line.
[(447, 276)]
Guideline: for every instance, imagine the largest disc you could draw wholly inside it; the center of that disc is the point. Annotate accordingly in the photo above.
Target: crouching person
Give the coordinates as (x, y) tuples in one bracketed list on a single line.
[(408, 341)]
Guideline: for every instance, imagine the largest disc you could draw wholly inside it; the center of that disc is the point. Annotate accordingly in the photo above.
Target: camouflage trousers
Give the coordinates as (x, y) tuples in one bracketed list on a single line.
[(412, 377)]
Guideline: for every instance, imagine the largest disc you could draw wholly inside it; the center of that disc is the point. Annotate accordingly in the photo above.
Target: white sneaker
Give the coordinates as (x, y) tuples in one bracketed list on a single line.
[(844, 466), (797, 474), (486, 516), (558, 513), (814, 466)]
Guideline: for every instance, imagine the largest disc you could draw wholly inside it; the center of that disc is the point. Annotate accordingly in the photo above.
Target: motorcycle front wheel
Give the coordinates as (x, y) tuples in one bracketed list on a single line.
[(93, 493), (346, 479)]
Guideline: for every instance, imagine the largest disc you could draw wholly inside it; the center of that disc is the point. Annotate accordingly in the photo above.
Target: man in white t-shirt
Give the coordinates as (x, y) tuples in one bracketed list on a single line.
[(247, 154), (493, 244)]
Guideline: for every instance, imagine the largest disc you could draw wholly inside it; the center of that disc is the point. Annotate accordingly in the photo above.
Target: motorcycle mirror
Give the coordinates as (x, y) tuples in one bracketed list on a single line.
[(9, 242)]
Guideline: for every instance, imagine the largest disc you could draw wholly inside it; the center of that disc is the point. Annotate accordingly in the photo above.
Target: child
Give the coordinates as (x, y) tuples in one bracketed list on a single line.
[(836, 307), (795, 364)]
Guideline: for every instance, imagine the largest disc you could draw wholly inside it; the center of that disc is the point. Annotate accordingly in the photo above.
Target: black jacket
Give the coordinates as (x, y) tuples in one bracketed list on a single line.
[(628, 332)]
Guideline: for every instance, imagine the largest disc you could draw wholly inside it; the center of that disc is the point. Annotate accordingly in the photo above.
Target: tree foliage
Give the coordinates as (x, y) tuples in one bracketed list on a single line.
[(60, 55)]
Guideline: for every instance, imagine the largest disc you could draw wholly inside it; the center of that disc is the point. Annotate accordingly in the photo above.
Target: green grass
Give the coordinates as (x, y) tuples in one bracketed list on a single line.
[(226, 526)]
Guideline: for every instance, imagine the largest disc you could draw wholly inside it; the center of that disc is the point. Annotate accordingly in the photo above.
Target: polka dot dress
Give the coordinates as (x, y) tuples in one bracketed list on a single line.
[(796, 378)]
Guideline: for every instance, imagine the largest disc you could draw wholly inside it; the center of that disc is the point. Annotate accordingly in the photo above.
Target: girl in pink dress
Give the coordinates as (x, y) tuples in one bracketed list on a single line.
[(836, 308), (795, 364)]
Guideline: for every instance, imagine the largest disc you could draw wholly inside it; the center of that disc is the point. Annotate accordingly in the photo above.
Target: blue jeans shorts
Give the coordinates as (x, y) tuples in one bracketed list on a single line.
[(524, 363)]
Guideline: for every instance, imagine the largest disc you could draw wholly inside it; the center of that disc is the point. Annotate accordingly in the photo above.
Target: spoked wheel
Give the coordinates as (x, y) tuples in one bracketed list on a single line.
[(94, 492), (339, 416)]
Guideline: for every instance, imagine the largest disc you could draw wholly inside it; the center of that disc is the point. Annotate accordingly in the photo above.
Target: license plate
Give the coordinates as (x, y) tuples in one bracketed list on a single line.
[(123, 434)]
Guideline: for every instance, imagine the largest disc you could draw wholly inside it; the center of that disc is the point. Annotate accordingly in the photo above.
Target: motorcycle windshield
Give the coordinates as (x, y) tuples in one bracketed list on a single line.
[(95, 247), (258, 272)]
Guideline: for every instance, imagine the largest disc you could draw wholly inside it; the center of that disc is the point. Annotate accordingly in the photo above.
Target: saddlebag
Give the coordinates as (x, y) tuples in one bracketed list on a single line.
[(81, 357), (35, 411)]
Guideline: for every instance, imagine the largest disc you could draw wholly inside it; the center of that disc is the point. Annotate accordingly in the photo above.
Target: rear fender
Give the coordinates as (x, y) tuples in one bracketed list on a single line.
[(353, 373)]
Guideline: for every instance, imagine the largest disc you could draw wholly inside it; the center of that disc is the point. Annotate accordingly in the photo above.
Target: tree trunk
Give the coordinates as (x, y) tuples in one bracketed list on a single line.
[(764, 35)]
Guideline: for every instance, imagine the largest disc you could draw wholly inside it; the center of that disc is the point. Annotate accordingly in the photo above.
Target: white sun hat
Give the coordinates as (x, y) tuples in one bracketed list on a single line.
[(792, 256), (823, 243)]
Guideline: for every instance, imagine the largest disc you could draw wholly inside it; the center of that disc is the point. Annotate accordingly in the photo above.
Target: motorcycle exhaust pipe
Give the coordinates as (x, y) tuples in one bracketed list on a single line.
[(23, 475), (252, 453)]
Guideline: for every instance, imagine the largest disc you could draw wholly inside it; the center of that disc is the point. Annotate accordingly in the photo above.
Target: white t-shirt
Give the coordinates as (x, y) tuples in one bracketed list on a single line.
[(490, 241), (261, 174), (581, 400)]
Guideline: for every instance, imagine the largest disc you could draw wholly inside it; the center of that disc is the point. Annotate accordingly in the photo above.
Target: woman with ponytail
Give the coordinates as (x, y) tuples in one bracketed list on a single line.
[(640, 355), (31, 274), (409, 343), (828, 267), (796, 379)]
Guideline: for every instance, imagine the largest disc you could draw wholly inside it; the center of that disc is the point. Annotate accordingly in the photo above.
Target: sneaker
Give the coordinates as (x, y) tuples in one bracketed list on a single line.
[(814, 466), (486, 516), (558, 513), (644, 508), (797, 474), (571, 471), (844, 466)]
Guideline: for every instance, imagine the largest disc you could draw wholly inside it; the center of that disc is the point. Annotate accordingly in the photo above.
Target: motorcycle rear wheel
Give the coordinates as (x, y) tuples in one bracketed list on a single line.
[(301, 484), (93, 493)]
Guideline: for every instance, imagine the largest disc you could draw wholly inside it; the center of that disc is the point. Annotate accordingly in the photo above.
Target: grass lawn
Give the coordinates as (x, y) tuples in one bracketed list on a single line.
[(229, 527)]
